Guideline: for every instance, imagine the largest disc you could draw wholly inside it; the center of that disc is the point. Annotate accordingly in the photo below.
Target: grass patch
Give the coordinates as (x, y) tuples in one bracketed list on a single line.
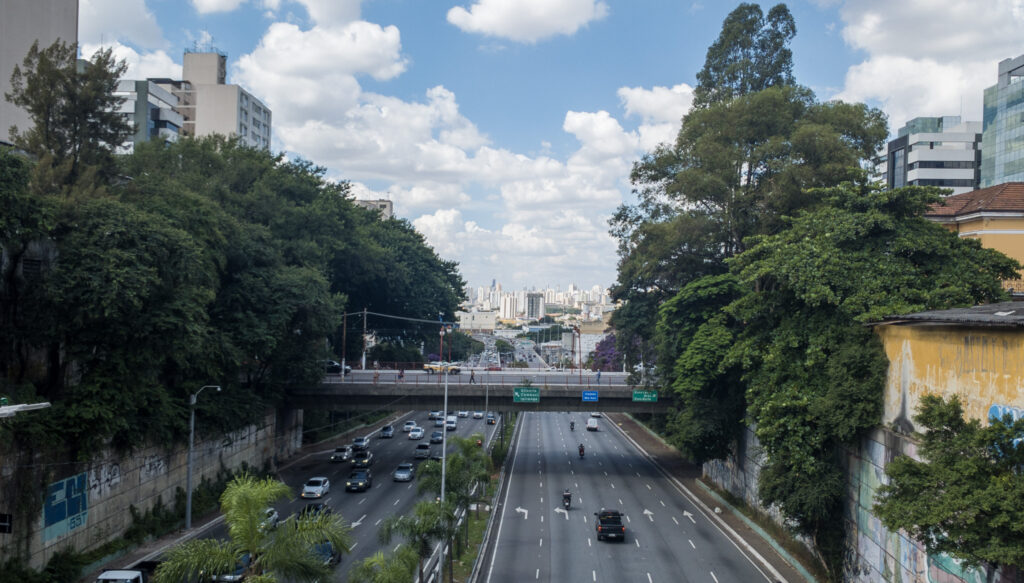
[(477, 526)]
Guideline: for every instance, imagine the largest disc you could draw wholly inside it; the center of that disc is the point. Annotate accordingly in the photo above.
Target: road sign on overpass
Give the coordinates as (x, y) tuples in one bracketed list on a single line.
[(640, 396), (526, 395), (589, 396)]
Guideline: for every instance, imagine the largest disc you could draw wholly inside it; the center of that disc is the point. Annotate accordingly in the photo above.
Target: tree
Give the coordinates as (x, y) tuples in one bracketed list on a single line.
[(965, 497), (266, 554), (398, 567), (76, 123), (751, 53), (430, 522), (468, 471), (606, 357), (813, 372)]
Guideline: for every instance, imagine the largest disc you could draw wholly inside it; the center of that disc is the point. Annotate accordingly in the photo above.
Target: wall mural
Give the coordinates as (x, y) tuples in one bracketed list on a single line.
[(66, 507)]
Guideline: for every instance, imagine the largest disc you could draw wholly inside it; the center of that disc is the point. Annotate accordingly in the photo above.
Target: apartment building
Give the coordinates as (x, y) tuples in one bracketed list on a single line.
[(935, 151), (151, 110)]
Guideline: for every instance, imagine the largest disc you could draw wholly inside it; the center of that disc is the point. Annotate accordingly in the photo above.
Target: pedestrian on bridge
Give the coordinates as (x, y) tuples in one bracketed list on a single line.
[(598, 376), (472, 377)]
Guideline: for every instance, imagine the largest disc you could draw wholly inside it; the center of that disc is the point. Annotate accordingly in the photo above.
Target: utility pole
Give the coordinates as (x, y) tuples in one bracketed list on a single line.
[(364, 338), (344, 333)]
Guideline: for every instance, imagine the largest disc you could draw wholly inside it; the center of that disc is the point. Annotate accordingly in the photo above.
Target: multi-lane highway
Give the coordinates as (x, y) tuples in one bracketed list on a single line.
[(667, 537), (366, 510)]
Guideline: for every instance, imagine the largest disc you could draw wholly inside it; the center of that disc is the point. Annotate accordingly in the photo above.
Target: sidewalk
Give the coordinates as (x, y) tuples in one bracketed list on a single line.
[(150, 550), (746, 533)]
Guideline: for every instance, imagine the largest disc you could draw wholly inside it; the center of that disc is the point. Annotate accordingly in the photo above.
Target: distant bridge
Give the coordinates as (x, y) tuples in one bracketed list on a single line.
[(492, 392)]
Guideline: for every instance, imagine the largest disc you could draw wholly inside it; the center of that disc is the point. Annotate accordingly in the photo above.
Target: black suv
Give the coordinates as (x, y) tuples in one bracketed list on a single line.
[(359, 481), (362, 459), (609, 525)]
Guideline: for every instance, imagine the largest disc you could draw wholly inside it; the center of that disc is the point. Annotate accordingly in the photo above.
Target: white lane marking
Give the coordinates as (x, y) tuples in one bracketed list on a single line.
[(542, 484), (662, 503), (538, 574), (713, 576), (606, 474), (613, 486), (692, 545), (590, 542), (379, 520), (396, 502), (628, 520), (638, 474), (352, 548), (542, 518), (620, 502), (541, 542), (637, 541), (593, 575), (358, 522), (649, 580), (398, 546), (675, 521), (648, 486), (361, 501), (690, 516)]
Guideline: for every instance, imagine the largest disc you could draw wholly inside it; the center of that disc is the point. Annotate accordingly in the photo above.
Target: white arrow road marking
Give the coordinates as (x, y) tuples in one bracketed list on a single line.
[(690, 516), (358, 522), (526, 513), (649, 514), (563, 511)]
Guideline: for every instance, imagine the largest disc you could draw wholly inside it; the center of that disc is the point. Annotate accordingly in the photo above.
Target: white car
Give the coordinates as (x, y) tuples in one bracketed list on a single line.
[(317, 487), (416, 433), (478, 414), (463, 413), (595, 414), (408, 426)]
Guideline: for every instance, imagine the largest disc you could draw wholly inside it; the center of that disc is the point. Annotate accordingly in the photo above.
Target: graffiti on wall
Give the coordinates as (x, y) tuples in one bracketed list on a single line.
[(152, 467), (66, 507), (105, 479)]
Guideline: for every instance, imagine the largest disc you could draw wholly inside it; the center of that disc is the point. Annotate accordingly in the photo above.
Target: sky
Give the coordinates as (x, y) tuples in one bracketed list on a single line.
[(505, 130)]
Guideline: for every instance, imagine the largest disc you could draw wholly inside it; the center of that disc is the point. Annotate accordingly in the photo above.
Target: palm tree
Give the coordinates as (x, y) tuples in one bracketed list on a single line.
[(467, 468), (430, 522), (261, 552), (399, 567)]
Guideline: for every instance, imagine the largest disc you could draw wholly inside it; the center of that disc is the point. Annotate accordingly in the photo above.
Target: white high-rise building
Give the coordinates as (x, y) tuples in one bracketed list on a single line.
[(23, 22), (509, 307), (936, 151)]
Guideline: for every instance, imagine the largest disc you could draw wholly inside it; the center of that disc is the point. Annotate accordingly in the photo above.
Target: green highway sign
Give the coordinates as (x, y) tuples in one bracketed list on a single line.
[(526, 395), (645, 396)]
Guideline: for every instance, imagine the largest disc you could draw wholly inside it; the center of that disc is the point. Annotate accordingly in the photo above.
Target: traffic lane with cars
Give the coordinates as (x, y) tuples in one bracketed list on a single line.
[(366, 510), (667, 539)]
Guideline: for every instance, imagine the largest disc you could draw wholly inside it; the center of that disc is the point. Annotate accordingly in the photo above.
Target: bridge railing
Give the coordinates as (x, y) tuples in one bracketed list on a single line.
[(511, 377)]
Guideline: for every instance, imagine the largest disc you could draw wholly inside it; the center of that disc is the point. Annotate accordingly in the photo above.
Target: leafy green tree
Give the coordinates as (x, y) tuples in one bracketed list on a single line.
[(398, 567), (285, 552), (429, 523), (76, 124), (751, 53), (965, 497), (814, 373)]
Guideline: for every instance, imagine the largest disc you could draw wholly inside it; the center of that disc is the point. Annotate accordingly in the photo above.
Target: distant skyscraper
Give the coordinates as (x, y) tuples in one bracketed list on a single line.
[(1002, 157), (935, 151), (534, 305), (23, 22), (151, 111)]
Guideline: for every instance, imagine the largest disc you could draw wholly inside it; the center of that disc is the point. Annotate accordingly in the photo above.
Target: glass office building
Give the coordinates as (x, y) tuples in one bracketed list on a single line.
[(1002, 158)]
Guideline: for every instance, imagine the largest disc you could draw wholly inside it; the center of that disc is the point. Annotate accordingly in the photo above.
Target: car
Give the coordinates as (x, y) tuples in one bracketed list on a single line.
[(478, 414), (362, 459), (238, 574), (360, 443), (416, 433), (359, 481), (435, 454), (270, 519), (404, 472), (595, 414), (342, 454), (422, 451), (464, 414), (491, 419), (316, 487), (435, 415), (591, 424), (450, 425), (408, 426), (314, 509), (334, 367), (609, 525), (325, 550), (387, 432), (437, 437), (439, 422)]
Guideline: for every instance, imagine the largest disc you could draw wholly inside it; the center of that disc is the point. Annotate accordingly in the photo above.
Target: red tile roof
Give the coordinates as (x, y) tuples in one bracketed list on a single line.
[(1008, 197)]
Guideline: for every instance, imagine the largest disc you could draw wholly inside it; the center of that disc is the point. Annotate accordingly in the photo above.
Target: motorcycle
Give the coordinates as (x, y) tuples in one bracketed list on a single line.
[(566, 501), (581, 452), (572, 426)]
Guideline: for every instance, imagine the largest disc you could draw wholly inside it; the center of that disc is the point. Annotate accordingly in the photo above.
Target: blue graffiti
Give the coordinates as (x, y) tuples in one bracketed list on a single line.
[(66, 507), (996, 413)]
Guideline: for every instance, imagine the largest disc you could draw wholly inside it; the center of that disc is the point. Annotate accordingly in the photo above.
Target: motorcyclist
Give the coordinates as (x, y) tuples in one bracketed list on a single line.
[(566, 497), (572, 426), (581, 450)]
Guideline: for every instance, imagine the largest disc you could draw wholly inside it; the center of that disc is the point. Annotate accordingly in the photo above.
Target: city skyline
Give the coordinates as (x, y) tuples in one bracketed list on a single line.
[(505, 131)]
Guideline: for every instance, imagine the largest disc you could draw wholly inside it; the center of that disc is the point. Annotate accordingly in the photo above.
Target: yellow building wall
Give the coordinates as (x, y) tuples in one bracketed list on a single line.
[(1004, 234), (984, 367)]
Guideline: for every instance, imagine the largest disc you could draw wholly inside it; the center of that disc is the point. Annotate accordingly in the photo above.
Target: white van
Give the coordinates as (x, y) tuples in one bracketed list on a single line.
[(451, 423), (591, 424)]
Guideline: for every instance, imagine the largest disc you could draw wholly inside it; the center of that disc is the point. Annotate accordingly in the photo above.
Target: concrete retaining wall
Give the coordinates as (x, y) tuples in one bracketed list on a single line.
[(88, 504)]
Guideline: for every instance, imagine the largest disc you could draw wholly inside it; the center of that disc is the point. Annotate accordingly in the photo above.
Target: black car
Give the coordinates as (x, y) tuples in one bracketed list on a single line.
[(314, 509), (387, 432), (359, 481), (334, 367), (362, 459), (491, 419)]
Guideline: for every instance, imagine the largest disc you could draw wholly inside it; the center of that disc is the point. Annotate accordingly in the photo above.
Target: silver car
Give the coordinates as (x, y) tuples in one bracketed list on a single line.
[(404, 472)]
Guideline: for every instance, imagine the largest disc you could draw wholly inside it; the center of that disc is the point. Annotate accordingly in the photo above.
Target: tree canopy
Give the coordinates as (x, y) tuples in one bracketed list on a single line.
[(964, 497)]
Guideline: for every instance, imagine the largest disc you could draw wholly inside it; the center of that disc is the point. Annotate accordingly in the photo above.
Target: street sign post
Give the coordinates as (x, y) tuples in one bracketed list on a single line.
[(589, 396), (525, 395), (645, 396)]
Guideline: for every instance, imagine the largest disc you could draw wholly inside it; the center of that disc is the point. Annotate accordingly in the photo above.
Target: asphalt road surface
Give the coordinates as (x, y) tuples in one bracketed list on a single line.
[(667, 538)]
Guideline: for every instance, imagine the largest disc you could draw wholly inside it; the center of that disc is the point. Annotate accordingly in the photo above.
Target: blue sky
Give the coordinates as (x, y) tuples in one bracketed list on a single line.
[(504, 130)]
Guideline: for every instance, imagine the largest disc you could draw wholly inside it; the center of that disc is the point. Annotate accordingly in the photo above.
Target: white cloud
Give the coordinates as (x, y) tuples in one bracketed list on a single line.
[(211, 6), (928, 57), (140, 65), (110, 21), (659, 104), (332, 12), (527, 20)]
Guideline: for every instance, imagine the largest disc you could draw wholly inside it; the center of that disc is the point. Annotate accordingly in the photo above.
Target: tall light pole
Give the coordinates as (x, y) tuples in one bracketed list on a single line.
[(191, 438), (444, 434)]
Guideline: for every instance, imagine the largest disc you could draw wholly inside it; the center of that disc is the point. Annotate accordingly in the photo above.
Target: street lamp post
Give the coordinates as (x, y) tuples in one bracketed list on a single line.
[(444, 434), (191, 438)]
